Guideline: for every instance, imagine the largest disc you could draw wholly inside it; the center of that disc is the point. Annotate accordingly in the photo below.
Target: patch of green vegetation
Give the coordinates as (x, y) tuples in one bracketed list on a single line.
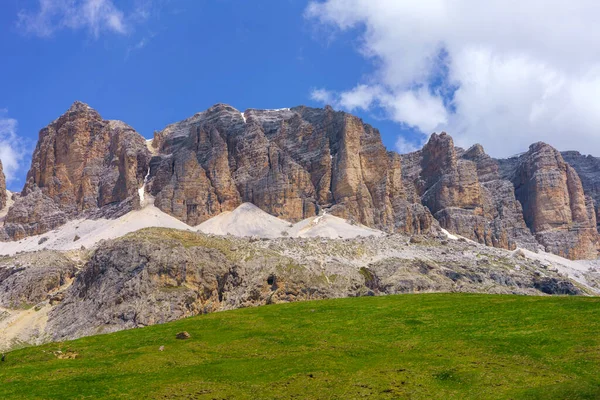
[(187, 239), (434, 346), (290, 268), (368, 275)]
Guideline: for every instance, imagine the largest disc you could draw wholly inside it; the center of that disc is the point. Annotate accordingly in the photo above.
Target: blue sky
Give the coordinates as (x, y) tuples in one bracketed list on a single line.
[(501, 73), (183, 57)]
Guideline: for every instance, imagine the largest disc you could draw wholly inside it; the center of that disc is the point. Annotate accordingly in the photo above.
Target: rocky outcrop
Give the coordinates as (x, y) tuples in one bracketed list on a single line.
[(158, 275), (555, 207), (33, 278), (588, 169), (465, 193), (81, 164), (291, 163)]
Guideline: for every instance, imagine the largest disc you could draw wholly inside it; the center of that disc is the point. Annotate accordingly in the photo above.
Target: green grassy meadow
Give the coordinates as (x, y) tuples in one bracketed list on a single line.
[(430, 346)]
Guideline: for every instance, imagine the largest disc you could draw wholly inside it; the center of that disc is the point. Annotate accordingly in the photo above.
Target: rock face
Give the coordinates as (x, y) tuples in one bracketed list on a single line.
[(588, 169), (81, 164), (291, 163), (465, 193), (3, 194), (555, 207), (294, 164), (155, 276), (34, 278)]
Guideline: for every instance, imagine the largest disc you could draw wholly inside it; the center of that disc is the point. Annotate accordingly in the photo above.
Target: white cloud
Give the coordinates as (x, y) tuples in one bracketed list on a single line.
[(415, 108), (96, 16), (11, 149), (323, 96), (521, 71), (403, 146)]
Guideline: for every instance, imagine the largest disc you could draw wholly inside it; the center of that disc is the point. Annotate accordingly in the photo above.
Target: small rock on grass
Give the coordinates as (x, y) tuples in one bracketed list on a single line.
[(183, 335)]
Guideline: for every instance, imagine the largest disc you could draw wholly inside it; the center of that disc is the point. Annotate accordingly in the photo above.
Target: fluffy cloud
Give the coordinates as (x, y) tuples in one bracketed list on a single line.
[(11, 149), (501, 73), (94, 15)]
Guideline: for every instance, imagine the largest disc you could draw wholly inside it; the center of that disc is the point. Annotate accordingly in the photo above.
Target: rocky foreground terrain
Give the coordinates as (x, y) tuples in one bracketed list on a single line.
[(157, 275)]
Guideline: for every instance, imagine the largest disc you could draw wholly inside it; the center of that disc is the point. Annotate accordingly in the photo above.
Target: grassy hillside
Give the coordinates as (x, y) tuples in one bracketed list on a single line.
[(412, 346)]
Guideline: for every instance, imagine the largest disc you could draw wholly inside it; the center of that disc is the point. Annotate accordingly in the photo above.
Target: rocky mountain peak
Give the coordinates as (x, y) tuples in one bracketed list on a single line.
[(465, 193), (555, 206), (290, 162), (475, 152), (77, 110), (439, 155), (81, 164), (79, 106)]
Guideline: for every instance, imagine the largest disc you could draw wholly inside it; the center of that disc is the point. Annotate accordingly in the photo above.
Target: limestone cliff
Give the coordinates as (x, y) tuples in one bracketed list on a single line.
[(465, 193), (81, 164), (588, 169), (291, 163), (555, 207)]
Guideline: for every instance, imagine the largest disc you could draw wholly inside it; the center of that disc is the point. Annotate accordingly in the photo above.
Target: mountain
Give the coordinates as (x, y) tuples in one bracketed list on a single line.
[(82, 165), (466, 194), (555, 206), (291, 163), (299, 163), (268, 206)]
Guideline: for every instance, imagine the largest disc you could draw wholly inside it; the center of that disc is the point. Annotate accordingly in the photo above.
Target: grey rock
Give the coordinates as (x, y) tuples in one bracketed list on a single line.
[(156, 275), (31, 278), (588, 169)]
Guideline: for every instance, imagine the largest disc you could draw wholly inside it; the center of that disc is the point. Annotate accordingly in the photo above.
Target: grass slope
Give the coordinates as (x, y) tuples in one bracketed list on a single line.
[(445, 346)]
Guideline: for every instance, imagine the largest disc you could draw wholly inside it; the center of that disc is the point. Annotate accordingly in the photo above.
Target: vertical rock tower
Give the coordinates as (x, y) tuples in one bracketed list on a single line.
[(82, 166), (555, 207)]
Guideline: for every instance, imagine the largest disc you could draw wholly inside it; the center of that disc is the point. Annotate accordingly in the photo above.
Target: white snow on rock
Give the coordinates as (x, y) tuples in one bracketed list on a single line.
[(91, 232), (449, 235), (573, 269), (249, 220), (246, 220), (142, 190), (330, 226)]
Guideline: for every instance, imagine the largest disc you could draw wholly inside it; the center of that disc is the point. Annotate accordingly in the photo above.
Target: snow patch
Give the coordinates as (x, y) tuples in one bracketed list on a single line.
[(91, 232), (449, 235), (332, 227), (249, 220), (246, 220), (277, 109), (573, 269), (142, 190)]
